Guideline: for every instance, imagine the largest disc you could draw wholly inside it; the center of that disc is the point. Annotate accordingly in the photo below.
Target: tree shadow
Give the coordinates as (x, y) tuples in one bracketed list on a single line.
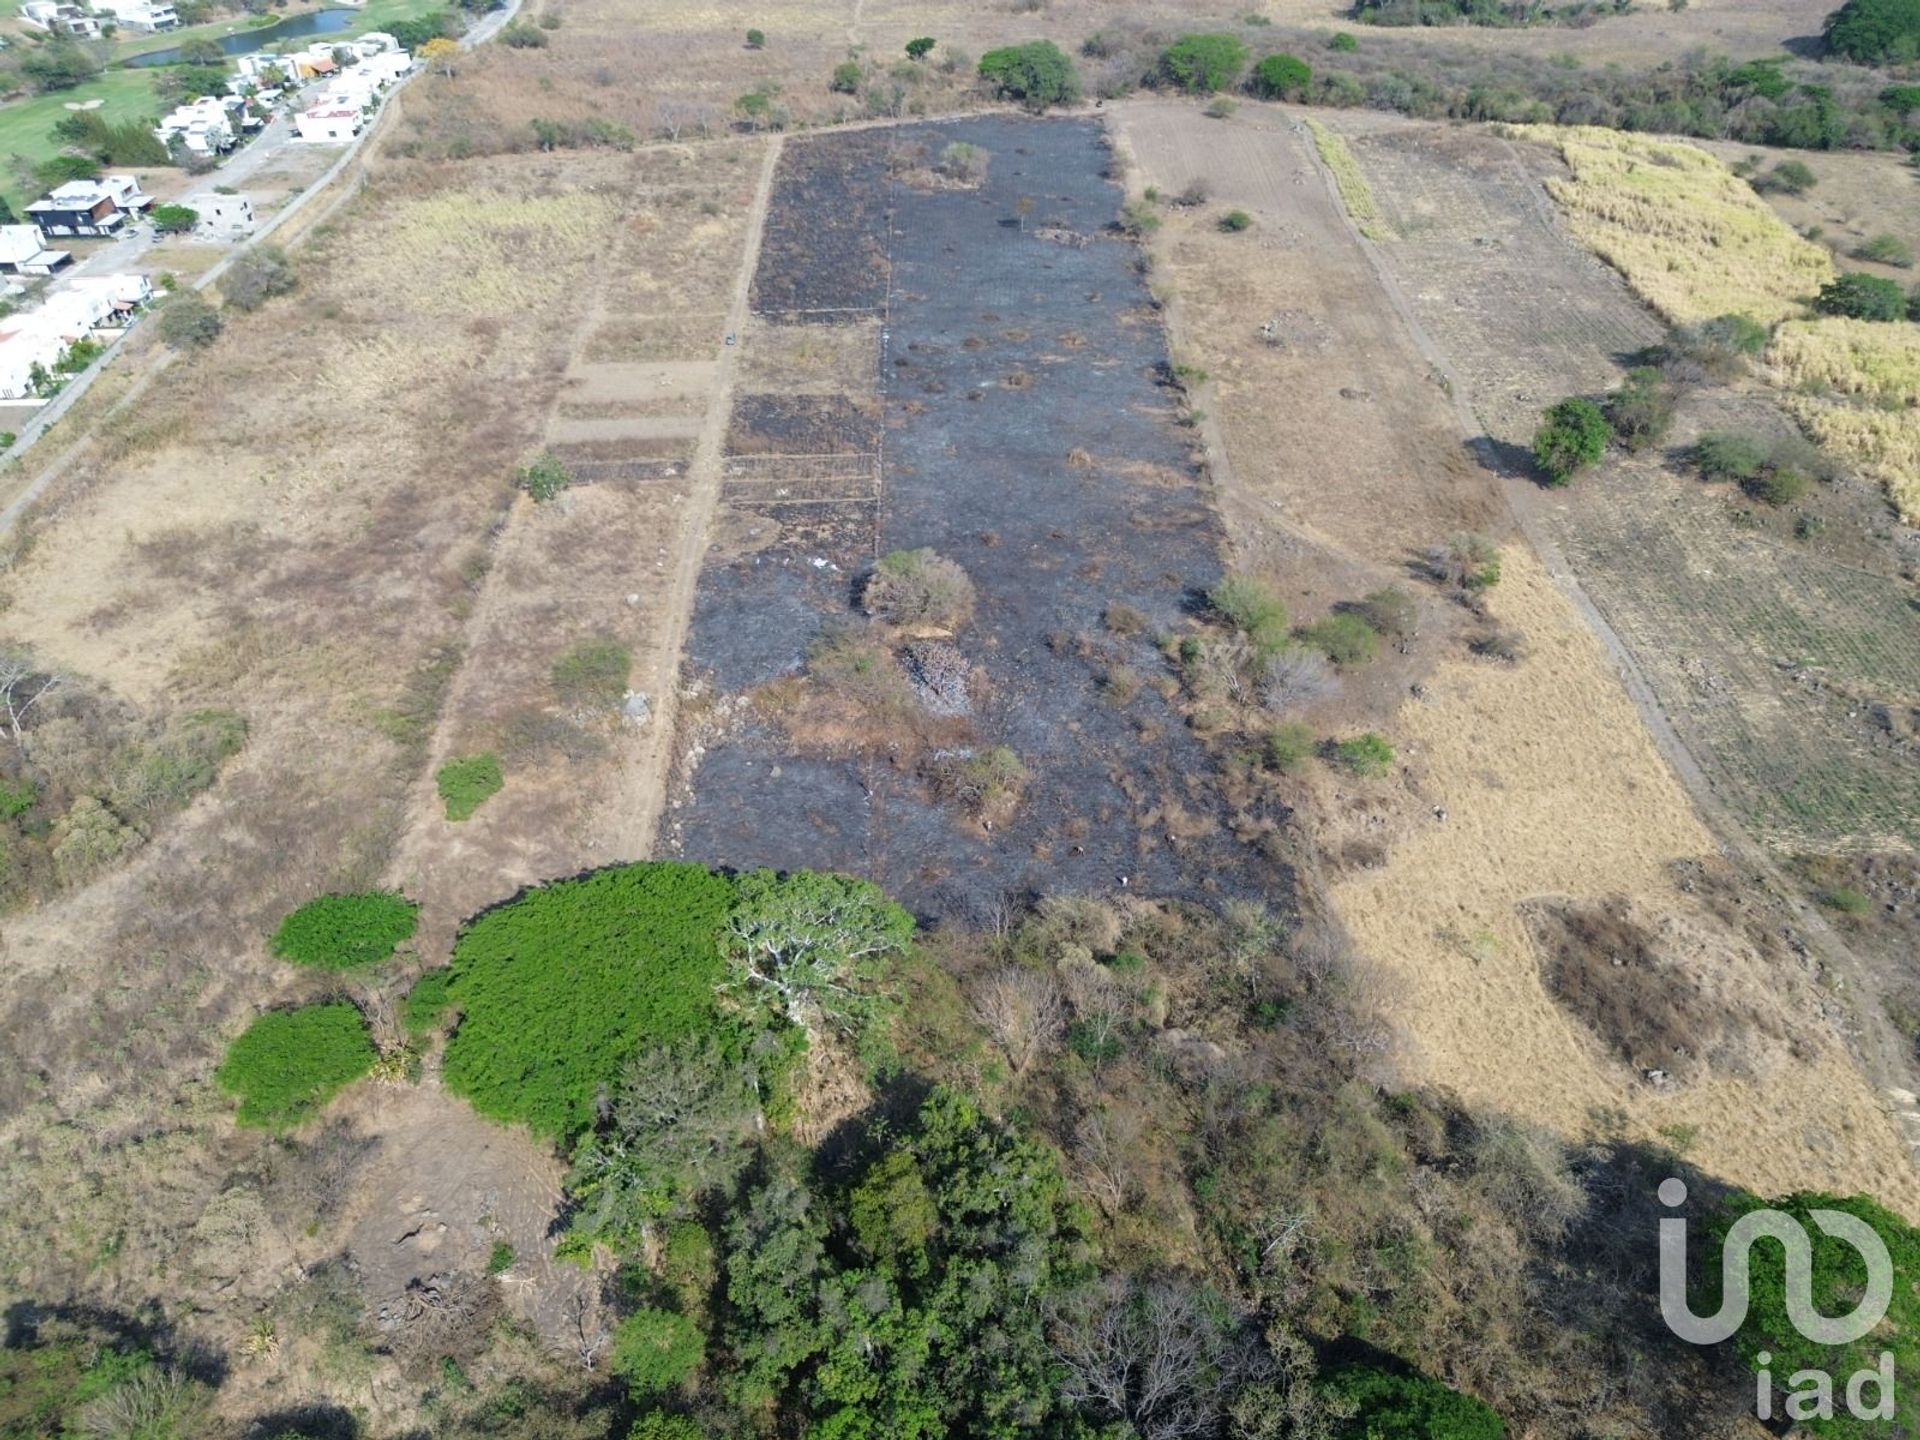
[(321, 1421), (144, 1328)]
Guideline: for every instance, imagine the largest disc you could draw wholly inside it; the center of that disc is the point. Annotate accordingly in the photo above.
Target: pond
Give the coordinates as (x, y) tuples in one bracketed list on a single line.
[(245, 42)]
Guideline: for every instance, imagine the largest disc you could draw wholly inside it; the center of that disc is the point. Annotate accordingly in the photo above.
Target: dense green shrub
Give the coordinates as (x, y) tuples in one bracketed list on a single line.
[(1367, 754), (427, 1002), (1234, 221), (558, 987), (1342, 42), (1875, 32), (1861, 296), (1289, 746), (1839, 1274), (1410, 1407), (1344, 638), (1789, 177), (1252, 607), (655, 1350), (1572, 435), (468, 783), (1281, 77), (342, 932), (846, 78), (187, 321), (1202, 64), (592, 675), (1724, 456), (289, 1063), (1038, 74), (544, 478)]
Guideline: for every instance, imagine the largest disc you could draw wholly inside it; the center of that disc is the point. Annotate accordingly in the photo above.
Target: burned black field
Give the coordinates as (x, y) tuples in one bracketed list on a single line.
[(1025, 431)]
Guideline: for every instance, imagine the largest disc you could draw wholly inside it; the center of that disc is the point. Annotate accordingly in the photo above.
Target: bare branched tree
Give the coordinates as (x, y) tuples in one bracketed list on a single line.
[(1024, 1011), (1103, 1150), (1153, 1355), (24, 685)]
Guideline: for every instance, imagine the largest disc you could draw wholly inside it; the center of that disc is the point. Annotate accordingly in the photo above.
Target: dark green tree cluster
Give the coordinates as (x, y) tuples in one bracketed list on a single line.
[(345, 932), (1572, 436), (290, 1063), (1038, 74), (1875, 32)]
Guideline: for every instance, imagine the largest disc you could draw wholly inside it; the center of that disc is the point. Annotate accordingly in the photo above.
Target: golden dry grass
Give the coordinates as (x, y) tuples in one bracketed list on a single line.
[(1552, 788), (1688, 234), (1355, 193), (1855, 387)]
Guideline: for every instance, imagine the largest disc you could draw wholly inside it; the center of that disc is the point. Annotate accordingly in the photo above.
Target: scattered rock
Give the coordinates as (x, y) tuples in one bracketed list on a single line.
[(637, 708)]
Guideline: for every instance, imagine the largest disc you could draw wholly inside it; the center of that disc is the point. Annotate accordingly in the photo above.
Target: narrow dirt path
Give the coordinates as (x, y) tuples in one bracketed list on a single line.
[(642, 788)]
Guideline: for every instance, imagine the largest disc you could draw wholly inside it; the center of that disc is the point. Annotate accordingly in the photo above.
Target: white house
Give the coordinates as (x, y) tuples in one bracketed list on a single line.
[(102, 305), (204, 125), (21, 252), (60, 18), (223, 214), (328, 122), (139, 14)]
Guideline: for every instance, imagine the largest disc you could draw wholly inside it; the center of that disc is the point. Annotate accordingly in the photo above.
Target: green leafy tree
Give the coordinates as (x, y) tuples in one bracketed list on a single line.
[(257, 276), (1572, 435), (920, 47), (812, 946), (1252, 606), (846, 78), (58, 65), (59, 169), (1203, 64), (1344, 637), (345, 932), (1875, 32), (174, 219), (680, 1123), (1839, 1277), (289, 1063), (1282, 77), (1861, 296), (1038, 74), (656, 1350), (756, 39)]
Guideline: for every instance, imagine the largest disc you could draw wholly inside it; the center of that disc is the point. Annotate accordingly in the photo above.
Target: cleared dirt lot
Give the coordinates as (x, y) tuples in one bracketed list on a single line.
[(1517, 784)]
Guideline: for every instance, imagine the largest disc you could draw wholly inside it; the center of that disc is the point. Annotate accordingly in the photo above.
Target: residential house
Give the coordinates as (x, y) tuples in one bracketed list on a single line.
[(264, 72), (21, 252), (223, 214), (328, 122), (139, 14), (90, 208), (84, 308), (60, 18), (204, 126)]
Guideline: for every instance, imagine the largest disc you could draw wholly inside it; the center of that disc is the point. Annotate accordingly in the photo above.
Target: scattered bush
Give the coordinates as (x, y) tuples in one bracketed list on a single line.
[(1367, 754), (1778, 485), (1391, 611), (427, 1003), (1861, 296), (1886, 250), (1468, 561), (592, 675), (920, 47), (545, 478), (963, 162), (467, 783), (1281, 77), (1294, 677), (257, 276), (1289, 746), (1846, 900), (1223, 107), (289, 1063), (1234, 221), (627, 955), (345, 932), (1342, 42), (1641, 410), (1778, 473), (987, 784), (1572, 435), (1202, 64), (1038, 73), (1252, 607), (1344, 638), (1789, 177), (919, 588), (1722, 456), (188, 322), (846, 78), (500, 1259), (756, 39), (521, 36)]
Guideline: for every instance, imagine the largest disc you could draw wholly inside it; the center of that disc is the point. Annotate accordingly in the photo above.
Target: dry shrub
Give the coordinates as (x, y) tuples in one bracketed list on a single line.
[(1295, 678), (1606, 969), (1523, 1171), (919, 589), (1080, 920), (1025, 1011), (986, 784)]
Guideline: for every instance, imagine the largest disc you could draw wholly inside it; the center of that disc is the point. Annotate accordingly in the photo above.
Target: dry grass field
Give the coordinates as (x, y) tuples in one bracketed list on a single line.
[(1438, 870)]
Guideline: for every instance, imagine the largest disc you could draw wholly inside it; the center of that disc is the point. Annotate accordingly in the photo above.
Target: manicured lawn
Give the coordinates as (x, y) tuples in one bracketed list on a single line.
[(26, 126)]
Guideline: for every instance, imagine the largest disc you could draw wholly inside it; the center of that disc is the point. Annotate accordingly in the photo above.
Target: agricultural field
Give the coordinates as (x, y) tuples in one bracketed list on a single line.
[(1435, 875)]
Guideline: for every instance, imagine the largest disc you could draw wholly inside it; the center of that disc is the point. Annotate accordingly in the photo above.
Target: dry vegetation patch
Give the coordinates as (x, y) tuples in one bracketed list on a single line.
[(1690, 236), (1855, 386)]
